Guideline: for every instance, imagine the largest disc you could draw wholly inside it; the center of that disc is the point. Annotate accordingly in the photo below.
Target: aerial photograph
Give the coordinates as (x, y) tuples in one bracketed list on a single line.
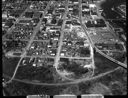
[(64, 48)]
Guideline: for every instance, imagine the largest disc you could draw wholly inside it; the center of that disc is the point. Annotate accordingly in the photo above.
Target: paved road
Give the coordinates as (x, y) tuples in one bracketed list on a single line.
[(110, 58), (92, 44), (28, 40), (59, 48), (49, 56), (29, 44), (56, 63), (88, 38), (66, 83), (115, 61)]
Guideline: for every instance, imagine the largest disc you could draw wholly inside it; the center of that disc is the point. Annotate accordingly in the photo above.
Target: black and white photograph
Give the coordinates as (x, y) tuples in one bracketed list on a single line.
[(64, 47)]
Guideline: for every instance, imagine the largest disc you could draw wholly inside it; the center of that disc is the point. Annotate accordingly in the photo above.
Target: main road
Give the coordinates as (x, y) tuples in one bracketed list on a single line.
[(66, 83), (56, 64), (57, 58), (92, 44), (29, 43)]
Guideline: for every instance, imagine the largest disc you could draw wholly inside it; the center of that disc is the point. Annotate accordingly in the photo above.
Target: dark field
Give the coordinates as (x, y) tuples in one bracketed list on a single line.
[(9, 65), (103, 64)]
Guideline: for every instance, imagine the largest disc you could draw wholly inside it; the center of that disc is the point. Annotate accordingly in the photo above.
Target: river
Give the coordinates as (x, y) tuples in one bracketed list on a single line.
[(106, 5)]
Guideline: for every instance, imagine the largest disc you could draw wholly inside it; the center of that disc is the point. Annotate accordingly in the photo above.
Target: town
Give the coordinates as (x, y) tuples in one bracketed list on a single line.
[(56, 40)]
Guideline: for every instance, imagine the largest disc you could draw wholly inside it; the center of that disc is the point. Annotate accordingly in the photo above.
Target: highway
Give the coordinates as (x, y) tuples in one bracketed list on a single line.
[(88, 38), (66, 83), (58, 53), (114, 60), (92, 44)]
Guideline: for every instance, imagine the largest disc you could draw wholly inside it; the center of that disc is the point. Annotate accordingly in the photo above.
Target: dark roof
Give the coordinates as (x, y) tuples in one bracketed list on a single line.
[(68, 22), (84, 6), (29, 14), (80, 43), (53, 51), (36, 20), (89, 24)]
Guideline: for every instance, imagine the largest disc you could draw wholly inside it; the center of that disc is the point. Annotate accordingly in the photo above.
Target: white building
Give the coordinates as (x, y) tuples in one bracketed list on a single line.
[(92, 5)]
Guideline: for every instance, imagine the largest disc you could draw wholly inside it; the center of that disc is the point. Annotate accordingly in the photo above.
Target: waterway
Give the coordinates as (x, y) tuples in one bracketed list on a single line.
[(108, 13), (107, 6)]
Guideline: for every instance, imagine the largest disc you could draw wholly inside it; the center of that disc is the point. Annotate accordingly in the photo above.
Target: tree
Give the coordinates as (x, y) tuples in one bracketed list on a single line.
[(53, 21)]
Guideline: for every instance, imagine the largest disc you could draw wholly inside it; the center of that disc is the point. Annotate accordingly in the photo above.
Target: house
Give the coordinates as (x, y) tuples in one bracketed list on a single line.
[(29, 14)]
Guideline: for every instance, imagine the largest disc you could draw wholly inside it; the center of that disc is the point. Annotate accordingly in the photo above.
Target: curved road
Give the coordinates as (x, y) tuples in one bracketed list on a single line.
[(92, 44), (79, 80), (68, 83), (29, 43)]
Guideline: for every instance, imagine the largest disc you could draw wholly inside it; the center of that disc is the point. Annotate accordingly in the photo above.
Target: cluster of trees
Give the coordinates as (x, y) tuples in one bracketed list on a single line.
[(85, 52), (43, 74), (9, 65)]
